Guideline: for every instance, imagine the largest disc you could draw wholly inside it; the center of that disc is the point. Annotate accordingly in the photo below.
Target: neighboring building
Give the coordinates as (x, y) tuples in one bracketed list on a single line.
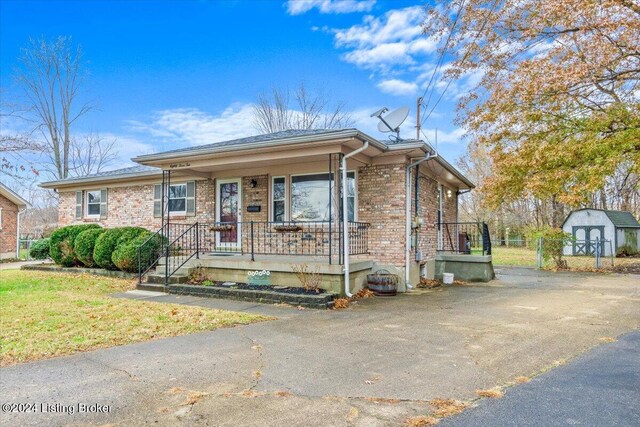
[(11, 208), (243, 192), (615, 228)]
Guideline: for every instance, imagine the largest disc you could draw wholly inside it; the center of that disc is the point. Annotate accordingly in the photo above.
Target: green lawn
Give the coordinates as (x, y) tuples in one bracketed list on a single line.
[(45, 315), (502, 255)]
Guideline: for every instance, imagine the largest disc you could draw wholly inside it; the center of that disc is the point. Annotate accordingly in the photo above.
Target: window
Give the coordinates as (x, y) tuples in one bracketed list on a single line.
[(279, 199), (311, 197), (178, 198), (93, 203)]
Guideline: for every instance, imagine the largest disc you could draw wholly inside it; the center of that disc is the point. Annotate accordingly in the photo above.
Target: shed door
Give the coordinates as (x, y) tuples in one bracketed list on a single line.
[(585, 239)]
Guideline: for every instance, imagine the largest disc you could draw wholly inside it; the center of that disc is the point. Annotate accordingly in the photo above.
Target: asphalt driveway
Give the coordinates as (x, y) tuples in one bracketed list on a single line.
[(376, 363)]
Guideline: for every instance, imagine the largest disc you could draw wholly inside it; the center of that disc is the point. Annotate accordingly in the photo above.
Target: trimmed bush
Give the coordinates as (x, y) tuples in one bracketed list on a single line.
[(39, 249), (62, 242), (84, 244), (109, 241), (125, 257)]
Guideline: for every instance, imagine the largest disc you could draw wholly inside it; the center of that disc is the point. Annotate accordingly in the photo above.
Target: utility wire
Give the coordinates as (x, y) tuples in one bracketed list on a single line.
[(464, 58), (441, 58)]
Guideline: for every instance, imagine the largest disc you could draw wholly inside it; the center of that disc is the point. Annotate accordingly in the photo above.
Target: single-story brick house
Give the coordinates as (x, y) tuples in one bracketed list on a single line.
[(11, 207), (279, 197)]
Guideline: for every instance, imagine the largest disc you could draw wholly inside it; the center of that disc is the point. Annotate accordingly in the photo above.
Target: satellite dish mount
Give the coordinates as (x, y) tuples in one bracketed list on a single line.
[(392, 121)]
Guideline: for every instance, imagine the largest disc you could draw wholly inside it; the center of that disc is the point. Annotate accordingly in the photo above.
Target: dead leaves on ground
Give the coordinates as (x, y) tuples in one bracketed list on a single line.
[(448, 407), (342, 303), (421, 421), (494, 393)]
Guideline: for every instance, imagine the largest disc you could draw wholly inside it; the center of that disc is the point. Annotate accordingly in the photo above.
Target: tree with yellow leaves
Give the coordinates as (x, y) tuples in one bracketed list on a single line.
[(558, 104)]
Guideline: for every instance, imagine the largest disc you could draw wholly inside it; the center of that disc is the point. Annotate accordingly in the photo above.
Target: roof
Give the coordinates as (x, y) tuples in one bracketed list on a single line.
[(291, 136), (619, 219), (282, 138), (13, 196), (130, 172), (622, 219)]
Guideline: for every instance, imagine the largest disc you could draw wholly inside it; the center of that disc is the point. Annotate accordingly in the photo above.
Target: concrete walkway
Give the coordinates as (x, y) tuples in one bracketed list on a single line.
[(17, 265), (600, 388), (376, 363)]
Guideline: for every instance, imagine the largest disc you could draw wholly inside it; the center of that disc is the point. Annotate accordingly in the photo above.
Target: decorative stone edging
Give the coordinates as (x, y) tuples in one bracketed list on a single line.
[(80, 270), (321, 301)]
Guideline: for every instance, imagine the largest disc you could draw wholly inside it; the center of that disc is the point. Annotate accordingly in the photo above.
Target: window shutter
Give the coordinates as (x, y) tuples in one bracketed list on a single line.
[(157, 200), (191, 198), (103, 203), (78, 204)]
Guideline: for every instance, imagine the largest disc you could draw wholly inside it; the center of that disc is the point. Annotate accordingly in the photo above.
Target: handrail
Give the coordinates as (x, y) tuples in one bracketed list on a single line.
[(463, 237), (142, 271), (183, 259)]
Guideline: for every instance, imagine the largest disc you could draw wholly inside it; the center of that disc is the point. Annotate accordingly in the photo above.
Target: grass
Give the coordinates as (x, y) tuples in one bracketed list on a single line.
[(44, 315), (526, 257)]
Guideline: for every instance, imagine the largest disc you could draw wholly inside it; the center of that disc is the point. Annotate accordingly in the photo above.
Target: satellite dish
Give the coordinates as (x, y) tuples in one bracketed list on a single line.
[(392, 121)]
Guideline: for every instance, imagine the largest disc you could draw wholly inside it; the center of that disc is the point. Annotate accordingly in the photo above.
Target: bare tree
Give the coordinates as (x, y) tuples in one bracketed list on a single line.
[(51, 74), (91, 154), (307, 110)]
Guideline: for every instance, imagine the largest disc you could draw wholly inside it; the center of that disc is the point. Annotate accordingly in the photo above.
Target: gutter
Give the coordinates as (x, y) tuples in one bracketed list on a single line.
[(407, 241), (98, 179), (345, 217), (20, 211)]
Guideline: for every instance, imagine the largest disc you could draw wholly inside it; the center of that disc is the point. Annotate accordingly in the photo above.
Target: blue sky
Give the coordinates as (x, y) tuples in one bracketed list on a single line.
[(166, 74)]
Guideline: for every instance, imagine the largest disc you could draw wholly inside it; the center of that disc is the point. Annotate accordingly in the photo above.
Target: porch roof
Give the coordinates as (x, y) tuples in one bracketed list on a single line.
[(268, 149)]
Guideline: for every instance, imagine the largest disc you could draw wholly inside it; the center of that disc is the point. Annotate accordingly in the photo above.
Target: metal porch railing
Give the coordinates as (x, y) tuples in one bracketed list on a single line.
[(464, 238)]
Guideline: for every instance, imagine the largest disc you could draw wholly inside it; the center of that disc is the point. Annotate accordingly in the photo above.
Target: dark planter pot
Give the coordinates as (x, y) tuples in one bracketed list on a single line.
[(383, 283)]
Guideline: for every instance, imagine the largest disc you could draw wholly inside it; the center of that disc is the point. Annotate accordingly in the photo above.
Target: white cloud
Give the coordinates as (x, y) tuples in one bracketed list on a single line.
[(455, 136), (397, 87), (298, 7), (191, 126)]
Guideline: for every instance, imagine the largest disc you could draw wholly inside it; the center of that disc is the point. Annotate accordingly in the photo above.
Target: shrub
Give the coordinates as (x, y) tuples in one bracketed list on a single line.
[(39, 249), (626, 250), (84, 244), (125, 257), (62, 241), (553, 242), (109, 241)]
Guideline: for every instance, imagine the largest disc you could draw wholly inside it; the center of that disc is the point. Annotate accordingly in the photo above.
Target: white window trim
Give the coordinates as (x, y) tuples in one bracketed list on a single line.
[(86, 203), (288, 181), (0, 218), (177, 213), (286, 198)]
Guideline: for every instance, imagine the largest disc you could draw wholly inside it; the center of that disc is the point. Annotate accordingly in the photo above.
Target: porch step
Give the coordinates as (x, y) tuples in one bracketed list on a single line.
[(150, 287), (174, 279), (182, 271)]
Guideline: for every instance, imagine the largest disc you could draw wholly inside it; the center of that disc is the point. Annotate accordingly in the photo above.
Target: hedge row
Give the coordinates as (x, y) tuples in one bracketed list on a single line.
[(113, 249)]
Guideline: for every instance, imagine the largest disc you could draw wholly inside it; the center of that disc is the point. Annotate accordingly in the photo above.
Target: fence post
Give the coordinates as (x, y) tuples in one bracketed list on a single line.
[(540, 252), (611, 252), (597, 257), (252, 250)]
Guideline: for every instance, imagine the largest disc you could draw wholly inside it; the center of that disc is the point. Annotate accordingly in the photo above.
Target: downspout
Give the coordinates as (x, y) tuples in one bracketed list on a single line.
[(18, 232), (345, 217), (407, 249)]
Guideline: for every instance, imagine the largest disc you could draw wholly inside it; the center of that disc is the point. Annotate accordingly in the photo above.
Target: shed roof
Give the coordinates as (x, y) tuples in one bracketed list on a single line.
[(620, 219)]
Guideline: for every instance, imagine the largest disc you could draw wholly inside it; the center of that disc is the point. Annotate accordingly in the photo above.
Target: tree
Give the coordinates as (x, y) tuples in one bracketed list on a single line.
[(51, 75), (557, 105), (307, 111), (91, 154)]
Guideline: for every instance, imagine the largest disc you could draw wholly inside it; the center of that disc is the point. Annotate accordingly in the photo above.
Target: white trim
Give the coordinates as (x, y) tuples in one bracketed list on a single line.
[(286, 198), (238, 243), (0, 218), (86, 204)]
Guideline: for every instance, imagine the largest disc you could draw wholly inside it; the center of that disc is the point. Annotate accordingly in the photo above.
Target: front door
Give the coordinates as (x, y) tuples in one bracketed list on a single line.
[(229, 213)]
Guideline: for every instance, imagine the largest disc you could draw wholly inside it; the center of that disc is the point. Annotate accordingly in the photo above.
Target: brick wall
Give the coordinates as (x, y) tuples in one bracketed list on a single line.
[(381, 202), (255, 196), (428, 212), (9, 227), (133, 206)]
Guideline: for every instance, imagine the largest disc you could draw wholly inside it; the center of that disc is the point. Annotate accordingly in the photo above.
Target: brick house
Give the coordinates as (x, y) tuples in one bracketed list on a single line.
[(11, 207), (281, 195)]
